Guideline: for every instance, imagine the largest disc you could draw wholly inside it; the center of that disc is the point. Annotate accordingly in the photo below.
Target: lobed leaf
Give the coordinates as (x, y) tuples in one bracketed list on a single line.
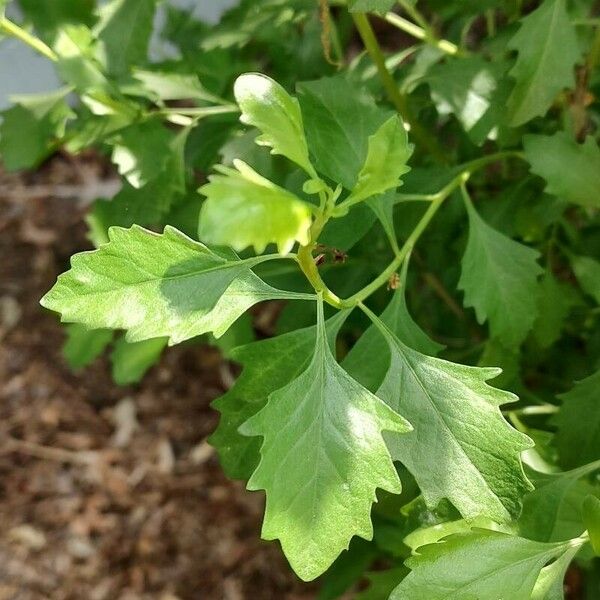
[(571, 170), (322, 458), (155, 285), (268, 107), (499, 278), (461, 448), (244, 209), (548, 50)]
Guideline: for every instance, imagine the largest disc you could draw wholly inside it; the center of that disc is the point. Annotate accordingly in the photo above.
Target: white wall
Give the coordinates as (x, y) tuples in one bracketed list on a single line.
[(22, 71)]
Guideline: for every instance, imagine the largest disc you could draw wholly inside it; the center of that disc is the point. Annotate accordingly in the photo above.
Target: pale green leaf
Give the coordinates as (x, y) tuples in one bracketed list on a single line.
[(155, 285), (84, 345), (571, 170), (267, 366), (322, 458), (591, 519), (461, 448), (499, 278), (387, 154), (481, 565), (165, 85), (548, 50), (244, 209), (550, 583), (268, 107), (131, 360), (124, 29), (339, 118), (578, 422)]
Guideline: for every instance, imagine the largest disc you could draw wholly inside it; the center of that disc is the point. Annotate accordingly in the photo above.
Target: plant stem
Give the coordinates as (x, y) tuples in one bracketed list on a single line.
[(307, 264), (14, 30), (398, 99), (422, 34)]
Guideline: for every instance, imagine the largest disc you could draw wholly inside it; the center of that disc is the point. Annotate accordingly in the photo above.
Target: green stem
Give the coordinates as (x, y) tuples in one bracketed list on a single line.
[(398, 99), (422, 34), (15, 31), (593, 57)]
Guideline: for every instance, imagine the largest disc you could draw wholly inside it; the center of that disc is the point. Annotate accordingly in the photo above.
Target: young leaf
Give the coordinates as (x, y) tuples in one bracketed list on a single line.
[(591, 519), (267, 366), (131, 360), (459, 430), (548, 50), (387, 155), (31, 128), (481, 564), (268, 107), (338, 119), (322, 458), (587, 271), (578, 423), (245, 209), (84, 345), (499, 278), (155, 285), (552, 511), (571, 170), (125, 29)]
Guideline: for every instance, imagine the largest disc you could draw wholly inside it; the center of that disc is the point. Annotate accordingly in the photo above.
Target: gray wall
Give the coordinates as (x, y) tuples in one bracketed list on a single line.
[(22, 71)]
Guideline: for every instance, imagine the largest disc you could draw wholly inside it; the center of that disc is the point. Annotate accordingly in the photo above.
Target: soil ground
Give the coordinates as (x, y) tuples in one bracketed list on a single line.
[(109, 493)]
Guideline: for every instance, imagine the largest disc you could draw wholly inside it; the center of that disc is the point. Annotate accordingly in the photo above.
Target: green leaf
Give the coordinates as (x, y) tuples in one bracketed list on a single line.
[(359, 361), (244, 209), (461, 448), (587, 271), (550, 583), (481, 564), (578, 423), (591, 519), (30, 130), (48, 16), (571, 170), (322, 458), (548, 50), (387, 155), (84, 345), (466, 87), (499, 278), (339, 118), (141, 151), (124, 29), (553, 511), (268, 107), (131, 360), (382, 583), (155, 285), (377, 6), (555, 301), (267, 366)]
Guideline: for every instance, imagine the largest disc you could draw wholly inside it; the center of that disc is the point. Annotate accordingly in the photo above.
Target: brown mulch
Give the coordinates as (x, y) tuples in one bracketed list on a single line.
[(109, 493)]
